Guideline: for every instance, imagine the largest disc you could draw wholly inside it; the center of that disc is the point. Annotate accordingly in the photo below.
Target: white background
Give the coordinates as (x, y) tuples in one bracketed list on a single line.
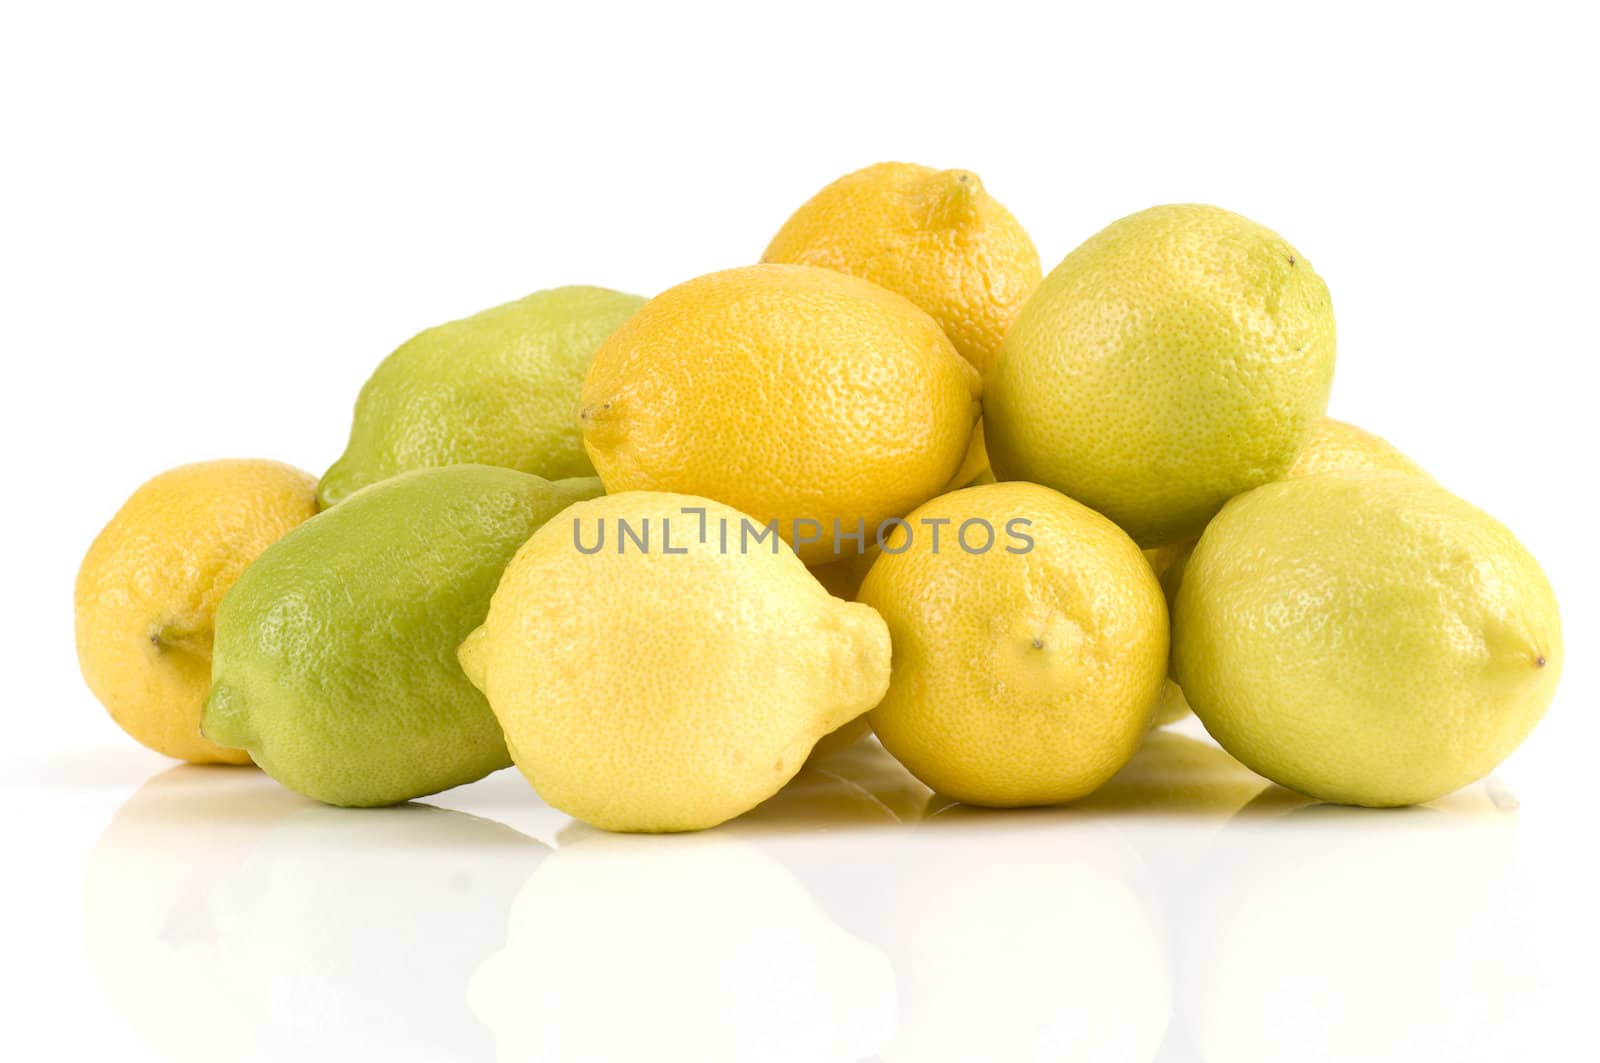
[(218, 218)]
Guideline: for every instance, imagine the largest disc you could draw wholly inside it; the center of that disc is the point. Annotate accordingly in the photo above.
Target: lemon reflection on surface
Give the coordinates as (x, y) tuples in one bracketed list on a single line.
[(1026, 935), (227, 916), (1328, 933), (149, 923), (1188, 910), (693, 947)]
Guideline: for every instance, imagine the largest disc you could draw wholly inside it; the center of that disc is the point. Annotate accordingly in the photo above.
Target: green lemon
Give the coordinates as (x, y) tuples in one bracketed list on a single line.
[(1178, 357), (497, 388), (335, 656)]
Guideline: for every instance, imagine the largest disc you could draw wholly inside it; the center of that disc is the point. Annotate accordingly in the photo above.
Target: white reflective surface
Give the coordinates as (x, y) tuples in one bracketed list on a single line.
[(1189, 910), (217, 221)]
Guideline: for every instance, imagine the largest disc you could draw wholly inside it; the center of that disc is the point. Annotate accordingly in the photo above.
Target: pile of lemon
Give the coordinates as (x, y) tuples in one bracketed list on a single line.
[(889, 478)]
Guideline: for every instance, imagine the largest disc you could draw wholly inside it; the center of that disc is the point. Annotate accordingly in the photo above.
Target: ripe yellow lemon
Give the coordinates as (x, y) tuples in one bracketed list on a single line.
[(1024, 673), (842, 578), (1178, 357), (975, 466), (935, 236), (1336, 446), (147, 592), (677, 675), (1365, 638), (795, 394)]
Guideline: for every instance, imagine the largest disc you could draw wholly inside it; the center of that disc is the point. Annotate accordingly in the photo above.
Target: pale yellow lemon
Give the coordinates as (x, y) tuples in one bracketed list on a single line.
[(1335, 446), (666, 681), (1365, 637)]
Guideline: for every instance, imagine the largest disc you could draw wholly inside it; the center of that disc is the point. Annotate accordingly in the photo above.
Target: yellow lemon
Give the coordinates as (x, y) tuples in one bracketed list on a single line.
[(975, 466), (1030, 642), (798, 395), (655, 669), (147, 592), (1365, 638), (1335, 446), (1178, 357), (842, 578), (935, 236)]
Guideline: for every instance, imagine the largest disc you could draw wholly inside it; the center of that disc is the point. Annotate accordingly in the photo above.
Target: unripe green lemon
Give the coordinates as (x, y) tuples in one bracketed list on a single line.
[(335, 661), (1178, 357), (497, 388)]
